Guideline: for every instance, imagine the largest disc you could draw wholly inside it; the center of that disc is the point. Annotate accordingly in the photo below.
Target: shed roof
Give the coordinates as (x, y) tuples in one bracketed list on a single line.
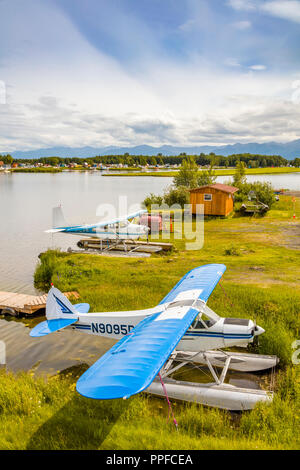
[(221, 187)]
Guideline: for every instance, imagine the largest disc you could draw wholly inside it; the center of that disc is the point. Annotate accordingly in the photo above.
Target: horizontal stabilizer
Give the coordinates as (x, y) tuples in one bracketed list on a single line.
[(50, 326), (82, 308)]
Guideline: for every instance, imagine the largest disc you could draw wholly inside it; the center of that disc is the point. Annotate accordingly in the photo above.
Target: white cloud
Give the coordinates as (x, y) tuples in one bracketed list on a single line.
[(188, 25), (285, 9), (63, 91), (257, 67), (243, 5), (231, 62), (242, 25)]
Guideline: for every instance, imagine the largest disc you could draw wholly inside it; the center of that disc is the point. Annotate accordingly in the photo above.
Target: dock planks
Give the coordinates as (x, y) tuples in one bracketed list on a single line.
[(23, 303)]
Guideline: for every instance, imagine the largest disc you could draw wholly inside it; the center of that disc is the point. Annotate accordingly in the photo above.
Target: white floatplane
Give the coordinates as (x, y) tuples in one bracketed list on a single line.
[(181, 329), (120, 229)]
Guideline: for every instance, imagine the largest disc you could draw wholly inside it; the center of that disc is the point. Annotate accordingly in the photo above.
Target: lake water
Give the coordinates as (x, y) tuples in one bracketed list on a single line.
[(26, 201)]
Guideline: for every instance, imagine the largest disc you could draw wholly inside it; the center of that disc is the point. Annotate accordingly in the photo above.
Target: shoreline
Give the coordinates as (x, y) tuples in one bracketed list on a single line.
[(218, 172), (160, 174)]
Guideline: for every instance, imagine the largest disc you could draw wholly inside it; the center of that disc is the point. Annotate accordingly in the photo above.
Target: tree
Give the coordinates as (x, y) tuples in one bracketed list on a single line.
[(153, 161), (296, 162), (239, 177), (207, 176), (8, 159), (188, 174), (143, 160), (264, 163)]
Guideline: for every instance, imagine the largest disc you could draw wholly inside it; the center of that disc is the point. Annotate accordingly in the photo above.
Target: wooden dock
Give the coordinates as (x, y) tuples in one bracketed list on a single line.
[(15, 304), (125, 246)]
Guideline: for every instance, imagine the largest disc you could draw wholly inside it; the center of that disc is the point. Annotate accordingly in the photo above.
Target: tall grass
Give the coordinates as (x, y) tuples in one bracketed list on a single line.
[(38, 413)]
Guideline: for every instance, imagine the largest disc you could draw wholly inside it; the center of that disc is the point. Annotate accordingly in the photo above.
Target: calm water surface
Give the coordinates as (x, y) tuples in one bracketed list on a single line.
[(26, 201)]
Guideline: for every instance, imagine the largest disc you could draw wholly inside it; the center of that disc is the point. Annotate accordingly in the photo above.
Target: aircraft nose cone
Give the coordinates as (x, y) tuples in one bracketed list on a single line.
[(258, 330)]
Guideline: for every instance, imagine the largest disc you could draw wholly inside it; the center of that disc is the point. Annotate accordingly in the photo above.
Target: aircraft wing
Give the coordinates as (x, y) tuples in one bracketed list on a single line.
[(198, 283), (104, 223), (120, 219), (132, 364)]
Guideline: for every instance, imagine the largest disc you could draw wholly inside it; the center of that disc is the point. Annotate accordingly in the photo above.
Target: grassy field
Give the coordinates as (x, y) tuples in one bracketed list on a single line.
[(36, 170), (218, 172), (262, 282)]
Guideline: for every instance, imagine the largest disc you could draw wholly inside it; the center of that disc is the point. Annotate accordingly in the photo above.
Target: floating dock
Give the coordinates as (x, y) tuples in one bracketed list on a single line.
[(125, 246), (15, 304)]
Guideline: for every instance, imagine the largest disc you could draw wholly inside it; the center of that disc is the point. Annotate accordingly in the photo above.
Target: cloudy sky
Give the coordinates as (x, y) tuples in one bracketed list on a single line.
[(130, 72)]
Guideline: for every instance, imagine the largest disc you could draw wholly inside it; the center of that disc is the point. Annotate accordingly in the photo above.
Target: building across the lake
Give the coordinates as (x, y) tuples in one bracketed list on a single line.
[(216, 198)]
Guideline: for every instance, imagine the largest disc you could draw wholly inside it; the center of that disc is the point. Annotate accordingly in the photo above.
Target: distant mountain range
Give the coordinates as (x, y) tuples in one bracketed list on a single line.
[(288, 150)]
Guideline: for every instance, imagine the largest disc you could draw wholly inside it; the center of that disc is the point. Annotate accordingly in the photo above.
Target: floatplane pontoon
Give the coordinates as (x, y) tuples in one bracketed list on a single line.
[(158, 341)]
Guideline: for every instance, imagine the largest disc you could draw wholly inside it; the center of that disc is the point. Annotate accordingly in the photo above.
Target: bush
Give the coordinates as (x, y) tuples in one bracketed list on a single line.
[(179, 195), (263, 191), (45, 270), (152, 199), (173, 195), (232, 251)]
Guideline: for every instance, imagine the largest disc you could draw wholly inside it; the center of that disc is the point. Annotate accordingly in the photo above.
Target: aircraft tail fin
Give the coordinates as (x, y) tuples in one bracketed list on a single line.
[(60, 313), (58, 218), (58, 306)]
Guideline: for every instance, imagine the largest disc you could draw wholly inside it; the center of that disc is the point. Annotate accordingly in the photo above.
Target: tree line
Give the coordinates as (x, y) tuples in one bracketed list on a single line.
[(250, 160)]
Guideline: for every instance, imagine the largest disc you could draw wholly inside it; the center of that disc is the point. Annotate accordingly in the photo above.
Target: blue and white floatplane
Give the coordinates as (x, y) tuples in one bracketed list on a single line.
[(181, 329), (119, 229)]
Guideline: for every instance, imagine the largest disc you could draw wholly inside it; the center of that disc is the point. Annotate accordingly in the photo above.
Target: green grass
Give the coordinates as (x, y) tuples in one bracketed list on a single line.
[(262, 283), (39, 413), (36, 170), (218, 172)]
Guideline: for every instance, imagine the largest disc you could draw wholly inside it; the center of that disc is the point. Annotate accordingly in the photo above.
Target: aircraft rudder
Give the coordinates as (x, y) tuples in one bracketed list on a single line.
[(58, 306), (58, 218)]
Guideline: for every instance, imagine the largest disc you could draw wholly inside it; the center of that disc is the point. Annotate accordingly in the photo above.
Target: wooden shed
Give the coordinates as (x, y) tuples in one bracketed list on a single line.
[(216, 198)]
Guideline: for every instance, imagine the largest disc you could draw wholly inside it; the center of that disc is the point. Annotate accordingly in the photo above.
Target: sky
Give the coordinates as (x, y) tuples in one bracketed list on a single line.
[(131, 72)]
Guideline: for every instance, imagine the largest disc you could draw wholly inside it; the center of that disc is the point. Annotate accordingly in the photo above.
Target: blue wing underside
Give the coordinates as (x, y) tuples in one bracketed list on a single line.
[(132, 364)]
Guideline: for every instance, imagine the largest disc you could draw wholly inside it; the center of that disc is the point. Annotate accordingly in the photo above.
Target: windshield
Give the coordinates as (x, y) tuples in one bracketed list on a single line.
[(202, 322)]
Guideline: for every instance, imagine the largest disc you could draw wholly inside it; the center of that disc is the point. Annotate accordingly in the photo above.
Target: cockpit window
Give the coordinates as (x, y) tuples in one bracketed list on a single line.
[(203, 322), (123, 224)]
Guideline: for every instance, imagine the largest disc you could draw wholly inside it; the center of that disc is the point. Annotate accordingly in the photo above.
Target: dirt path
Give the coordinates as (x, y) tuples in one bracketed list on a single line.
[(291, 234)]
